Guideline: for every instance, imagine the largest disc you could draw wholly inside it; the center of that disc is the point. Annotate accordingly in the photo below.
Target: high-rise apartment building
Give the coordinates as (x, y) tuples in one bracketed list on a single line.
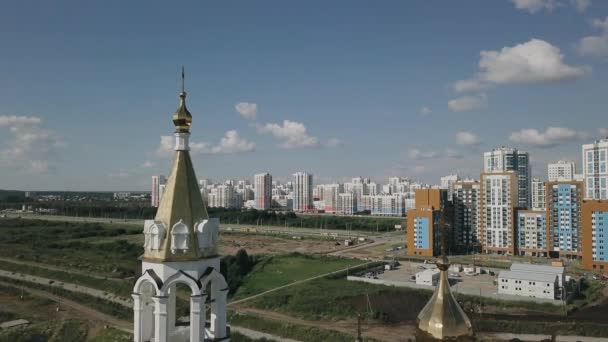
[(510, 159), (330, 194), (263, 190), (561, 171), (347, 203), (224, 196), (465, 198), (532, 232), (302, 192), (539, 194), (498, 200), (423, 230), (564, 200), (595, 170), (157, 182), (447, 182), (594, 221)]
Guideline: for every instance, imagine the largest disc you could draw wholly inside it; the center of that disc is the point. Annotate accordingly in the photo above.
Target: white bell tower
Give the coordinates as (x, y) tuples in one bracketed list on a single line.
[(180, 246)]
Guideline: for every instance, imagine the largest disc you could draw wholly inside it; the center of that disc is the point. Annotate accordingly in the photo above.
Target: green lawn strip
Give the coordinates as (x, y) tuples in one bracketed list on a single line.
[(275, 271), (102, 305), (122, 288), (289, 330), (546, 328)]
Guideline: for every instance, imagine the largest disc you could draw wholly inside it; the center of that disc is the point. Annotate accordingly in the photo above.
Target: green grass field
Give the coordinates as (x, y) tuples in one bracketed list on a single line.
[(275, 271), (68, 245)]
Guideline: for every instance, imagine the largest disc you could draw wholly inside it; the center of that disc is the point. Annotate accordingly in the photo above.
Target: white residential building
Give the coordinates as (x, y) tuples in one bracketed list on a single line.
[(263, 190), (497, 208), (347, 203), (539, 194), (595, 169), (561, 171), (510, 159), (302, 192), (224, 196), (447, 182), (329, 196), (532, 232), (157, 182)]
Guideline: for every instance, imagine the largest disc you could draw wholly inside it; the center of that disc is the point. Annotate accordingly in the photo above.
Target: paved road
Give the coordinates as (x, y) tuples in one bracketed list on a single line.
[(67, 286)]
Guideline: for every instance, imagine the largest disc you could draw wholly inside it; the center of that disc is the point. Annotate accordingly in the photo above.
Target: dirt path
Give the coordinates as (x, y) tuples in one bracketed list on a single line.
[(67, 286), (87, 312), (236, 302)]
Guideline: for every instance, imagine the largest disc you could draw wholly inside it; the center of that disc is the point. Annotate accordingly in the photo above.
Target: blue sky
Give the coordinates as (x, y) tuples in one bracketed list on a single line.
[(341, 88)]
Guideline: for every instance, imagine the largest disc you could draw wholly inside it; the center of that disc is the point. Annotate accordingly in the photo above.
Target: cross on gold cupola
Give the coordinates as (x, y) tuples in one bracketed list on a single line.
[(181, 230), (182, 119)]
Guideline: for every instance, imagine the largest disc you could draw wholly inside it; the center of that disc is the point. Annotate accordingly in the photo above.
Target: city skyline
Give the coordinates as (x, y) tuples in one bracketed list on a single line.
[(334, 91)]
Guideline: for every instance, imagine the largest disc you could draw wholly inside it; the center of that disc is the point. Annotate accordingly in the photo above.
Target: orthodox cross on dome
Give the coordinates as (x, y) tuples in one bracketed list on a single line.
[(183, 80), (182, 119)]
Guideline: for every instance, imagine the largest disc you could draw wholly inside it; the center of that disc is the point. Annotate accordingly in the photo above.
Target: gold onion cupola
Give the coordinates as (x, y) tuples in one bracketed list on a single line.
[(442, 318), (181, 231)]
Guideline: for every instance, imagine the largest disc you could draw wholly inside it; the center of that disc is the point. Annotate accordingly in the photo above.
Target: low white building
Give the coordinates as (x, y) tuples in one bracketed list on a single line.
[(538, 281), (556, 270), (527, 284), (428, 277)]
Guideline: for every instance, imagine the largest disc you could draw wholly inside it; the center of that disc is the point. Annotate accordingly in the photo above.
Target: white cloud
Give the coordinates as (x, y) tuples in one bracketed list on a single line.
[(247, 110), (535, 61), (148, 164), (450, 153), (534, 6), (30, 145), (334, 142), (39, 166), (424, 110), (581, 5), (13, 120), (552, 136), (596, 46), (231, 142), (472, 85), (603, 132), (417, 154), (467, 138), (468, 103), (292, 134)]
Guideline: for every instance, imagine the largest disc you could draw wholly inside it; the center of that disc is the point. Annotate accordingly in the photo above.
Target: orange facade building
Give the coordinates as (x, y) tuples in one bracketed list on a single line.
[(422, 222), (594, 222)]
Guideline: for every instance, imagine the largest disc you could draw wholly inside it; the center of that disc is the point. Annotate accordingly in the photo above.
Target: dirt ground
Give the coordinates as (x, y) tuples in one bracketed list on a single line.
[(369, 328), (39, 306), (230, 243), (374, 251)]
